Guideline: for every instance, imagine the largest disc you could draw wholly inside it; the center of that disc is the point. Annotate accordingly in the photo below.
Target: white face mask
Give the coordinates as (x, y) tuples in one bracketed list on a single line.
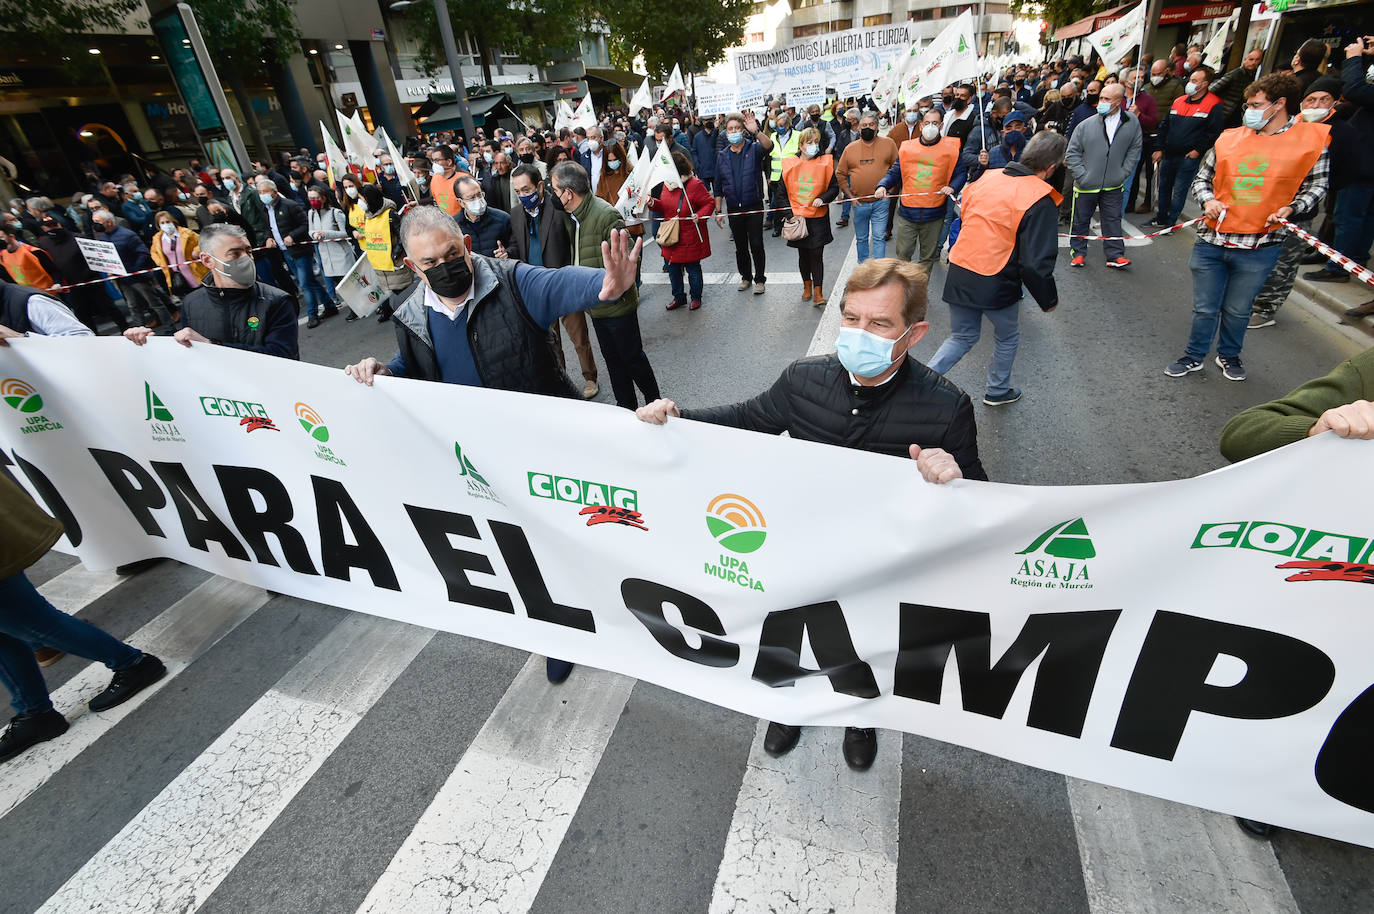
[(1156, 80), (169, 228), (593, 145), (476, 207), (352, 192), (930, 132), (1312, 115)]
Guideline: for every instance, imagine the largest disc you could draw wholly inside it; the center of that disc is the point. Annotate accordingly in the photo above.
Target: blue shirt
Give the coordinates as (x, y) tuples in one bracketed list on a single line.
[(548, 295)]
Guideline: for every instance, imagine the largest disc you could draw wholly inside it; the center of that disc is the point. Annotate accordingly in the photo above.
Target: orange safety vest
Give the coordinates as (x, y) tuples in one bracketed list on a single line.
[(445, 194), (992, 210), (24, 267), (807, 179), (1258, 175), (926, 169)]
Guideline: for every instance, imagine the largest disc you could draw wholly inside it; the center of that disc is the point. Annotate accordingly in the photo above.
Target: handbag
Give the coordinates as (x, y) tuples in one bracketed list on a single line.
[(180, 286), (668, 232), (794, 228)]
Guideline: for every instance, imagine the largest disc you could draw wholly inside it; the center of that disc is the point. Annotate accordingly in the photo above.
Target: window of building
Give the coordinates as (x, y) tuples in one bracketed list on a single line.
[(803, 4), (759, 8), (949, 12), (921, 15), (754, 38), (839, 25), (806, 31), (884, 19)]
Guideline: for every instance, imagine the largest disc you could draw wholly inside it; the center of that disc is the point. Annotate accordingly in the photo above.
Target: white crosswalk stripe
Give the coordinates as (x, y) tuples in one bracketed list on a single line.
[(182, 845), (76, 588), (187, 629)]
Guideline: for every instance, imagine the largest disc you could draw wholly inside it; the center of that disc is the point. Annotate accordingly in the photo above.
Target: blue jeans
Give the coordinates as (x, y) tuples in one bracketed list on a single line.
[(1225, 283), (965, 325), (871, 218), (845, 207), (325, 277), (28, 620), (1354, 220), (945, 229), (693, 279), (303, 268), (1176, 175)]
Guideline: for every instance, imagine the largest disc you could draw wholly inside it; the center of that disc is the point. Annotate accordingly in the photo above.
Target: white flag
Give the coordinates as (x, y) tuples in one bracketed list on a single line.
[(643, 98), (663, 168), (336, 163), (675, 83), (947, 59), (1116, 38), (565, 116), (636, 188), (357, 144), (1211, 54), (403, 172), (584, 116), (361, 289)]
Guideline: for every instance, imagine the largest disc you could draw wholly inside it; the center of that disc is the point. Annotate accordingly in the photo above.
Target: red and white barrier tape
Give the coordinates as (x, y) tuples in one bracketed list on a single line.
[(1354, 269), (112, 277)]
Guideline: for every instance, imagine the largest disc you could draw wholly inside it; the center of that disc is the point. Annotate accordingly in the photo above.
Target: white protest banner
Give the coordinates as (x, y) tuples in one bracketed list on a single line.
[(827, 59), (804, 94), (336, 162), (402, 166), (357, 143), (1212, 54), (714, 99), (635, 191), (584, 116), (361, 289), (643, 98), (1205, 640), (675, 83), (1116, 38), (564, 115), (949, 58), (101, 256)]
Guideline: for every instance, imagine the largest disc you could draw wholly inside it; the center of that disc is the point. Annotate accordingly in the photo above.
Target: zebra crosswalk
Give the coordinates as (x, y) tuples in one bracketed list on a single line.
[(332, 782)]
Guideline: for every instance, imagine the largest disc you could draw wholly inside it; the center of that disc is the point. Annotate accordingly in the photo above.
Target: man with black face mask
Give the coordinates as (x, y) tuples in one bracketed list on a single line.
[(88, 303), (231, 308), (485, 322)]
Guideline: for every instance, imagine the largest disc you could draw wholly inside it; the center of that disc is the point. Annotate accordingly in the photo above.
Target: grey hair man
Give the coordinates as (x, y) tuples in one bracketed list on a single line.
[(145, 294)]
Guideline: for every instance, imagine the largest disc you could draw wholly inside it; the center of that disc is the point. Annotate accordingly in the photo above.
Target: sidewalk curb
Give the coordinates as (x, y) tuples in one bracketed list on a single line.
[(1325, 299), (823, 341)]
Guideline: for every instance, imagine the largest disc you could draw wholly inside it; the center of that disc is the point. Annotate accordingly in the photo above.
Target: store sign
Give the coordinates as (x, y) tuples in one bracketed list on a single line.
[(186, 71), (1180, 14)]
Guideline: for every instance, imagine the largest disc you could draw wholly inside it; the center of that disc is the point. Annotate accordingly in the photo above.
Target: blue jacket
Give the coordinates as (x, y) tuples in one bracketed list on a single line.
[(893, 182), (131, 250), (704, 153), (139, 215), (750, 192), (494, 226)]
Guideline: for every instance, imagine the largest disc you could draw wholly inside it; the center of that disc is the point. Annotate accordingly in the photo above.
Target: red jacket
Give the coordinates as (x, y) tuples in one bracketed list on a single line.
[(689, 248)]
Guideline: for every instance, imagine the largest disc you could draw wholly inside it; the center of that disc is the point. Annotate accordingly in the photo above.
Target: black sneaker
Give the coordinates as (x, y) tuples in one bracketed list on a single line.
[(1010, 396), (1231, 369), (312, 323), (329, 311), (350, 317), (1183, 366), (860, 747), (1326, 276), (28, 730), (557, 670), (128, 683), (780, 739), (136, 567)]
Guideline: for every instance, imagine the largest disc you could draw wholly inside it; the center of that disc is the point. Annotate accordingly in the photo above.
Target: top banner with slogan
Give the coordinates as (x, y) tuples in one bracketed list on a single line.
[(1206, 640), (835, 59)]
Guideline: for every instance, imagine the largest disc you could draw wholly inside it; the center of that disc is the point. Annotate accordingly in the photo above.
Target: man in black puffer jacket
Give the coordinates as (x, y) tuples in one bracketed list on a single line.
[(869, 396), (231, 308)]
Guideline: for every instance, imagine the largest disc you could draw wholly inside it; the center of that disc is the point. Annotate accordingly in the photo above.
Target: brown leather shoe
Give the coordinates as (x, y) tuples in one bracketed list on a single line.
[(819, 298), (1144, 208), (806, 289), (1364, 310), (47, 656)]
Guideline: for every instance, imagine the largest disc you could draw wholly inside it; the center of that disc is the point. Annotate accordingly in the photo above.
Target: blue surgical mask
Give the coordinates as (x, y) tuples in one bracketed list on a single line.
[(735, 138), (912, 117), (1104, 108), (389, 169), (864, 354), (812, 150), (614, 165), (266, 199), (1255, 119), (530, 201)]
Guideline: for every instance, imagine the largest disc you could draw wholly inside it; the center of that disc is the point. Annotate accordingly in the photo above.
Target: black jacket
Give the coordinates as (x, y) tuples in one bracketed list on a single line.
[(292, 222), (555, 242), (68, 261), (261, 319), (1031, 261), (1359, 98), (815, 400)]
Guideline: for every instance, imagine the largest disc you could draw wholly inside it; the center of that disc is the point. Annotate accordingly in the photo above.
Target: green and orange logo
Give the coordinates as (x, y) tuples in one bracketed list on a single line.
[(312, 423), (20, 395), (736, 523)]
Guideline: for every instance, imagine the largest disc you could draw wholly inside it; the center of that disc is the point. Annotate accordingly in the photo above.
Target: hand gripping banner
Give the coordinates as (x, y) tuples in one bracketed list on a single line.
[(1205, 640)]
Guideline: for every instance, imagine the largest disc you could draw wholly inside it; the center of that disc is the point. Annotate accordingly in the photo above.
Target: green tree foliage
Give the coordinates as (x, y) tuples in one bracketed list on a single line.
[(46, 27), (1058, 12), (693, 33), (527, 30), (248, 31)]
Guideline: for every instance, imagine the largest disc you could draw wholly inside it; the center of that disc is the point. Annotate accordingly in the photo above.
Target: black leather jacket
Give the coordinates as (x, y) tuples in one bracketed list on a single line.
[(261, 319), (815, 400)]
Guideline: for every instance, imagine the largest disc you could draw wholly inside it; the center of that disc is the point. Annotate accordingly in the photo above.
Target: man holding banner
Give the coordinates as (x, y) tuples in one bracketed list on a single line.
[(928, 172)]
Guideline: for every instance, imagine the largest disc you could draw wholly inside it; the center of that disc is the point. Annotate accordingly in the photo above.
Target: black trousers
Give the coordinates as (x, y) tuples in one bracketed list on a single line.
[(748, 234), (626, 362), (91, 303), (1145, 167), (811, 262)]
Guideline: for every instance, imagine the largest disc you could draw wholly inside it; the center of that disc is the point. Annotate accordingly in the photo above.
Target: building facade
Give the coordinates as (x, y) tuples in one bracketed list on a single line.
[(772, 24)]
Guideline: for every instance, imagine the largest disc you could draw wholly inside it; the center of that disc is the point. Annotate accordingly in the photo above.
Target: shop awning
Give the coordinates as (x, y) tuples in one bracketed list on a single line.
[(529, 93), (618, 79), (450, 116), (1089, 24)]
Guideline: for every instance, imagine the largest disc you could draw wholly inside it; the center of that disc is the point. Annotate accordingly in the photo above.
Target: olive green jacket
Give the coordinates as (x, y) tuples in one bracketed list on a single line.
[(1288, 419), (593, 221), (26, 531)]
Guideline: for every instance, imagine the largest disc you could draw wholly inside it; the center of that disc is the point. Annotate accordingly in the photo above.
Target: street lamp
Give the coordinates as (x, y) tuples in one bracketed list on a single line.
[(451, 54)]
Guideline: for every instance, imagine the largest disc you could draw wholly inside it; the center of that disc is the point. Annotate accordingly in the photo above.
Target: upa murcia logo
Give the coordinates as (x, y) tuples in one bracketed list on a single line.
[(478, 487), (161, 424), (1317, 555), (314, 427), (601, 503), (737, 524), (252, 416), (1058, 558), (20, 396)]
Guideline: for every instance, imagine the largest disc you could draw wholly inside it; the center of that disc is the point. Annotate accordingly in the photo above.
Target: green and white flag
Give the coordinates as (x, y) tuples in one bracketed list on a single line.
[(643, 98), (675, 83), (1119, 36), (949, 58)]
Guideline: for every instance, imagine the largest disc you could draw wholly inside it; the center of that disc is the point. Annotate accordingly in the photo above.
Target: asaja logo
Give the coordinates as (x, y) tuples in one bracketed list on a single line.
[(1058, 558), (159, 417), (478, 487), (736, 523), (21, 396), (314, 427), (312, 423), (1317, 554)]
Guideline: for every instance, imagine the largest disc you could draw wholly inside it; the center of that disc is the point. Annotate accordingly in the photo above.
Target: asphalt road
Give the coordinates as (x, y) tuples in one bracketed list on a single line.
[(302, 758)]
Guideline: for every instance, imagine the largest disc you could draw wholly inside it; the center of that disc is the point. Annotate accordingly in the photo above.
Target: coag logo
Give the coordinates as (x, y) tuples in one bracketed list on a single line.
[(602, 503), (736, 523), (20, 395), (1317, 554), (252, 416), (1058, 558), (157, 411), (312, 423)]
